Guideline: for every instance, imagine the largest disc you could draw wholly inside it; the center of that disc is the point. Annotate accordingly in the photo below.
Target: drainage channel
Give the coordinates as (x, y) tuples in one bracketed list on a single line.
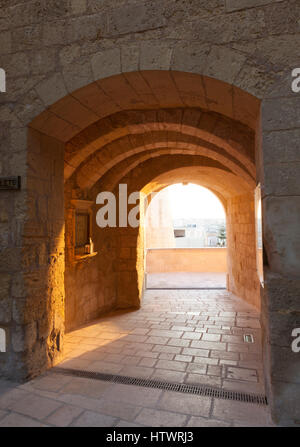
[(200, 390)]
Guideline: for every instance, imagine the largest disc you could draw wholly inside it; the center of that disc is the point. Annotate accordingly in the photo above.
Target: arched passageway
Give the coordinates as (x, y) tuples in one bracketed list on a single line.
[(133, 147)]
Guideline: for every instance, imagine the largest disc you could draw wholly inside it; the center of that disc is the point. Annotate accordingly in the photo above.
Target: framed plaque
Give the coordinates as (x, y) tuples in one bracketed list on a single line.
[(258, 232)]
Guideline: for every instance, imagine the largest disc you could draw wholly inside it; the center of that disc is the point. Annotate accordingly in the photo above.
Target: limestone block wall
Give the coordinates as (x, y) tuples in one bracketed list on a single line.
[(90, 282), (170, 260), (84, 295), (108, 280), (35, 272), (159, 231)]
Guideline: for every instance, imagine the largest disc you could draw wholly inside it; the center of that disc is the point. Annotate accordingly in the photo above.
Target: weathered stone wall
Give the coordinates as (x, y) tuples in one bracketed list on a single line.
[(34, 316), (50, 49)]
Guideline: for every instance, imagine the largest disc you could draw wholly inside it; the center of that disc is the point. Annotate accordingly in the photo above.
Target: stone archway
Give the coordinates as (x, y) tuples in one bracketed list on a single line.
[(71, 126)]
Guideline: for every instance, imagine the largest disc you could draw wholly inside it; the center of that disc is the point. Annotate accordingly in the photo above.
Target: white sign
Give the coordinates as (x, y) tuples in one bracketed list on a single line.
[(2, 81), (296, 342), (296, 82), (258, 231)]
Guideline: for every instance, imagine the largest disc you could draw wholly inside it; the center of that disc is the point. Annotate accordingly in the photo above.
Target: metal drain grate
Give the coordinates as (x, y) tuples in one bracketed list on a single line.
[(186, 288), (201, 390)]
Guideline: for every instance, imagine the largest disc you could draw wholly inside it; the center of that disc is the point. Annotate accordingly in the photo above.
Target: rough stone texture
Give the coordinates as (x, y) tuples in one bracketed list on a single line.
[(242, 269), (89, 283), (235, 5), (282, 212), (57, 55), (38, 315), (160, 260), (155, 341), (136, 17)]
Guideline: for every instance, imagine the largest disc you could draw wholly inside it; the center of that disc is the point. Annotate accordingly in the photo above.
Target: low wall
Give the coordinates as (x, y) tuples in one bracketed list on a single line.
[(163, 260)]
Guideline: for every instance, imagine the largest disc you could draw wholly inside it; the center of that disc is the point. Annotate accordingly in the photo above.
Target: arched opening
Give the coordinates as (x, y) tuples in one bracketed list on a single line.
[(185, 239), (112, 149), (238, 200), (166, 124)]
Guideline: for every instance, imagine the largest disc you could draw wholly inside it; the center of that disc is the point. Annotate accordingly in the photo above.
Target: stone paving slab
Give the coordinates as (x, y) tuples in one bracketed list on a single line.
[(186, 404), (64, 416), (18, 420)]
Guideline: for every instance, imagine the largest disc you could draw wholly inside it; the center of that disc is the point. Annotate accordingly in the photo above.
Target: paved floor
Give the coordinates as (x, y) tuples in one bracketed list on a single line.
[(185, 280), (180, 336), (191, 336)]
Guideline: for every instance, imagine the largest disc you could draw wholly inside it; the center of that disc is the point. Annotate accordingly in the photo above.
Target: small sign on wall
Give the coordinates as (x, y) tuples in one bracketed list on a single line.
[(2, 340), (259, 235), (10, 183)]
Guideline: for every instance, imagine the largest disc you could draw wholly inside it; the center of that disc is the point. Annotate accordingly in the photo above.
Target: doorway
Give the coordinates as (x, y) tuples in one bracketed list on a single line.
[(185, 238)]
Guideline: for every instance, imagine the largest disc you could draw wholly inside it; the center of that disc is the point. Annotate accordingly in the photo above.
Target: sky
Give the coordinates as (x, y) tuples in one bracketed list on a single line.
[(194, 201)]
